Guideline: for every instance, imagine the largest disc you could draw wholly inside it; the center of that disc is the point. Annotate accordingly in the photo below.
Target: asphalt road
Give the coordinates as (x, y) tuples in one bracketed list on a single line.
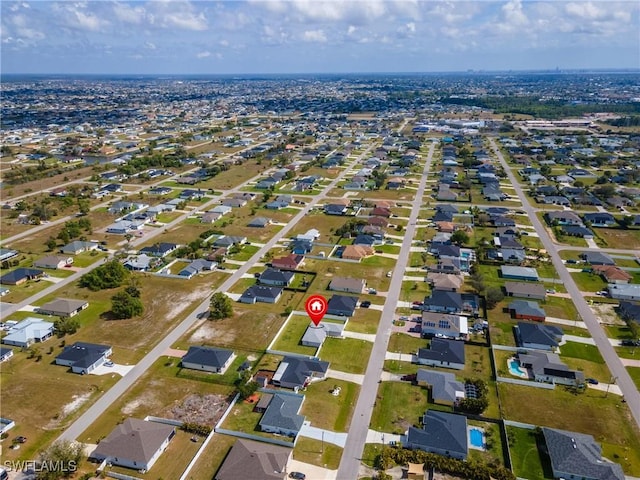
[(119, 389), (350, 463), (620, 374)]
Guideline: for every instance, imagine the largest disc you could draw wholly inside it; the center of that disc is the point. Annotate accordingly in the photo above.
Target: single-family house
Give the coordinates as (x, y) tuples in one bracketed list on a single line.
[(547, 367), (20, 276), (221, 209), (135, 444), (443, 301), (526, 310), (5, 354), (512, 272), (563, 217), (248, 459), (276, 278), (208, 359), (7, 254), (83, 357), (79, 246), (282, 416), (629, 310), (445, 389), (612, 274), (197, 266), (444, 325), (538, 336), (444, 353), (442, 433), (28, 331), (288, 262), (259, 222), (315, 335), (347, 284), (357, 252), (140, 263), (53, 262), (335, 209), (445, 281), (597, 258), (261, 293), (301, 247), (342, 305), (160, 250), (234, 202), (298, 372), (629, 291), (577, 231), (228, 241), (599, 219), (63, 307), (525, 290), (578, 456)]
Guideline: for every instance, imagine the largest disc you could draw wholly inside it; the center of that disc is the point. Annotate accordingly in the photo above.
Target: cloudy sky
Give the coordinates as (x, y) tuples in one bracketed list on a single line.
[(316, 36)]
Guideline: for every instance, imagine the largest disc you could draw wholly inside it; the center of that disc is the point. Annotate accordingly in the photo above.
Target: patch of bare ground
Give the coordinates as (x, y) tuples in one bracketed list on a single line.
[(200, 409), (605, 313), (245, 330), (148, 399)]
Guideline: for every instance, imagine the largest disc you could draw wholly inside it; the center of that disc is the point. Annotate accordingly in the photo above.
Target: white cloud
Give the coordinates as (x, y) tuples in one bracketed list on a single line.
[(128, 14), (150, 45), (204, 54), (317, 36), (176, 14)]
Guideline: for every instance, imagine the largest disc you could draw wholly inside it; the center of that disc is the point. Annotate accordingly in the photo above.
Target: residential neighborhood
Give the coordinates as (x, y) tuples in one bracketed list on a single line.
[(481, 273)]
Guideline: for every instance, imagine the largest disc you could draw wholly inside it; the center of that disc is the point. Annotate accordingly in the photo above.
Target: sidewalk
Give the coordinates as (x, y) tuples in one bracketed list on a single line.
[(347, 377), (369, 337)]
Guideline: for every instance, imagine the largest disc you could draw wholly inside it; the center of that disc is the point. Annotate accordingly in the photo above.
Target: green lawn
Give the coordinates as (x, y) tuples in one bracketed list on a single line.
[(525, 456), (289, 339), (403, 343), (604, 417), (635, 375), (365, 320), (583, 351), (212, 457), (397, 406), (588, 282), (316, 452), (349, 355), (325, 410)]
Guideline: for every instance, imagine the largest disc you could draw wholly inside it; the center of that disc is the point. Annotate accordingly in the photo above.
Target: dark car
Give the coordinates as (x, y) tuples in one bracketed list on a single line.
[(20, 439), (628, 343), (297, 475), (365, 304), (592, 381)]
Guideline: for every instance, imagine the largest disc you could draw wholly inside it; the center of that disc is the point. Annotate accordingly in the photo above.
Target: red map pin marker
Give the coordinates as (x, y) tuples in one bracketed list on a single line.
[(316, 307)]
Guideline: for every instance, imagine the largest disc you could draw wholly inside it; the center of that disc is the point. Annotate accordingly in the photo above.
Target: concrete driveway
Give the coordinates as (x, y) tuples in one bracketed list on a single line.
[(312, 472), (121, 370)]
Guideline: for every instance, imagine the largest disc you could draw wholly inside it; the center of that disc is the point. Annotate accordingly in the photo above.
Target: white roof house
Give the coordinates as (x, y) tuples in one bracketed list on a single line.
[(28, 331)]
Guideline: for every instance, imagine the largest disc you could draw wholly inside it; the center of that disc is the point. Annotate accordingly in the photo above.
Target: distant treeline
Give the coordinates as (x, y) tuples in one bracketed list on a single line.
[(632, 121), (543, 108)]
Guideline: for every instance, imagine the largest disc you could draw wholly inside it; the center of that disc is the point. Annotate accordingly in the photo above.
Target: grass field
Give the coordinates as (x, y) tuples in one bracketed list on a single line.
[(606, 418), (364, 321), (635, 375), (397, 406), (525, 456), (403, 343), (289, 339), (315, 452), (327, 411), (349, 355), (212, 457)]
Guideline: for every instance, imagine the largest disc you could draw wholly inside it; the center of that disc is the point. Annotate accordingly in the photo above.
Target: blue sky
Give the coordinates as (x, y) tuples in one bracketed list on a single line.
[(316, 36)]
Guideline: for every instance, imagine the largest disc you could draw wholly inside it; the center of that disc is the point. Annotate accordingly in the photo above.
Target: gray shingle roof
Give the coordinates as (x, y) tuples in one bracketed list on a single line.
[(578, 454), (444, 350), (282, 412), (209, 356), (442, 431)]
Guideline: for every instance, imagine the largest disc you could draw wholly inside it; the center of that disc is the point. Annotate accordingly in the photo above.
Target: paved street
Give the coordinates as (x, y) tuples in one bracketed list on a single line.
[(623, 379), (350, 463)]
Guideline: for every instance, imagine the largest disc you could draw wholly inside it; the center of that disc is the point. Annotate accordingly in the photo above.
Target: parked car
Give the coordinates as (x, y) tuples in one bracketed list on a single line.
[(551, 290), (108, 364), (592, 381), (297, 475), (20, 439), (365, 304), (417, 303), (389, 274)]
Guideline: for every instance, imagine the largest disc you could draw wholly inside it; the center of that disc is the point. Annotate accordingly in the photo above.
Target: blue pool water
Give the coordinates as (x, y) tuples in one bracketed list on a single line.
[(476, 437), (514, 369)]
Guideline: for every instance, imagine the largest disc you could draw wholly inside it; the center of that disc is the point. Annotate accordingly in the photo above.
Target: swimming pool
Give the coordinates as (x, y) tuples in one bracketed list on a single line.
[(476, 438), (514, 368)]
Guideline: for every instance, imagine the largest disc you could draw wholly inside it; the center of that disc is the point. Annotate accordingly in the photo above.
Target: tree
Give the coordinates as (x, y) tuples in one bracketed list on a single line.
[(51, 244), (246, 387), (459, 237), (110, 275), (62, 459), (221, 306), (124, 305), (66, 326), (493, 296)]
